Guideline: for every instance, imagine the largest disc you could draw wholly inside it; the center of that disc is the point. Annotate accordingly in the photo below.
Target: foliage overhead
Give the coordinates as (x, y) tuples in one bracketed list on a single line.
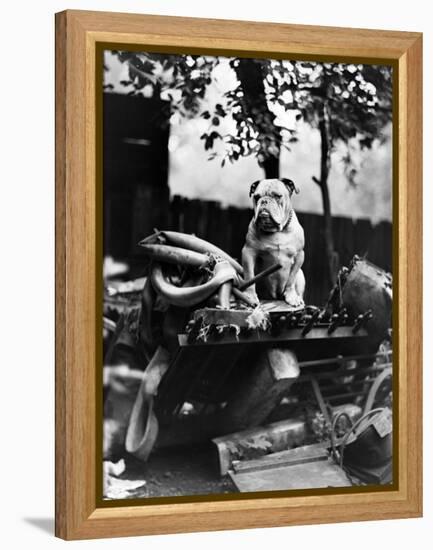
[(355, 100)]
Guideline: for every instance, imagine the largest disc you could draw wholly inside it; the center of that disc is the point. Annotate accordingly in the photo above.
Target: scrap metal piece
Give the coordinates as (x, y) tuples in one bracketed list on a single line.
[(193, 243), (362, 320), (224, 293), (175, 255), (320, 400), (260, 276), (337, 320), (279, 435), (378, 382), (313, 318), (193, 295), (368, 287)]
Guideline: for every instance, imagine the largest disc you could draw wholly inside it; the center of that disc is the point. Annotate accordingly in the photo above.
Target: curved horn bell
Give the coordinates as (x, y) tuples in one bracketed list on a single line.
[(191, 296)]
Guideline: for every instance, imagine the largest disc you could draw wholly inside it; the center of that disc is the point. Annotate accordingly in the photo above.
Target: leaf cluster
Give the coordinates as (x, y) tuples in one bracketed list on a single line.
[(356, 99)]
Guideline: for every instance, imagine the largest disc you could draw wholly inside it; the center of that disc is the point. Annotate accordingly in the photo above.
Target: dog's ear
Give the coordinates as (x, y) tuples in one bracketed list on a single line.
[(290, 185), (254, 187)]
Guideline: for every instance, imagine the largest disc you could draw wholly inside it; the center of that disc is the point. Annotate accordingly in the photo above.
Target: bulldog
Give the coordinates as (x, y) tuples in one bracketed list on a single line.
[(275, 236)]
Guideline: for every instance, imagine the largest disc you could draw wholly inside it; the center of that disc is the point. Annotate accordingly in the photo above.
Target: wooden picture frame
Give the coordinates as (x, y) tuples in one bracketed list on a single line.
[(79, 514)]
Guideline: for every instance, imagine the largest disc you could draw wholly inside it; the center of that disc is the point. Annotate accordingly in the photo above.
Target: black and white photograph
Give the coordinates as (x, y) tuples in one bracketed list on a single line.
[(247, 275)]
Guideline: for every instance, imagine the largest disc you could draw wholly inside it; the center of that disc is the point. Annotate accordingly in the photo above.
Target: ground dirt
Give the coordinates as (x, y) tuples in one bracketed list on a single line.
[(178, 471)]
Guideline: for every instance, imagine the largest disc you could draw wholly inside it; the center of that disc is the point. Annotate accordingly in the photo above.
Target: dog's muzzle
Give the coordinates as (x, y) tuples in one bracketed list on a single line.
[(269, 216), (265, 221)]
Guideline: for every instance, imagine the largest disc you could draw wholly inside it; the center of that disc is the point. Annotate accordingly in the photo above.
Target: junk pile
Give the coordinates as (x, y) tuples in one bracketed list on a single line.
[(218, 363), (275, 456)]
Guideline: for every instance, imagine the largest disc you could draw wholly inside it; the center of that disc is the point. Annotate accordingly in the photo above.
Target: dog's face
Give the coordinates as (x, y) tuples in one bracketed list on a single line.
[(272, 203)]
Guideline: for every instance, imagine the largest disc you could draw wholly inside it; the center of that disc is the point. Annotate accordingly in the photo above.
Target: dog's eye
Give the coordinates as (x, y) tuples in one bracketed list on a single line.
[(256, 198)]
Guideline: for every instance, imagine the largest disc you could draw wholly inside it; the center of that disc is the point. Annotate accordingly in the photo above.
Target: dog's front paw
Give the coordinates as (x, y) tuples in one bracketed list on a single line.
[(292, 298)]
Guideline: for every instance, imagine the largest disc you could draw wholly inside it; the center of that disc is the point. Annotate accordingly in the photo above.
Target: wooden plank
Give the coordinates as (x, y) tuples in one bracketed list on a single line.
[(363, 231), (407, 255), (379, 251), (344, 236), (299, 455), (243, 36), (62, 489), (176, 223), (292, 335), (77, 254), (213, 229)]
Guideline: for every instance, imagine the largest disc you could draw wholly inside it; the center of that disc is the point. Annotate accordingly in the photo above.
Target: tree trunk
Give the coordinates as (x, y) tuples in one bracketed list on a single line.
[(322, 182), (251, 76), (271, 166)]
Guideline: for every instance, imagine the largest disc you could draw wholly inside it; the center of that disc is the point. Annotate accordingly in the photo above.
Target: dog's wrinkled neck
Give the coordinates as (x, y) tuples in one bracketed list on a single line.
[(289, 219)]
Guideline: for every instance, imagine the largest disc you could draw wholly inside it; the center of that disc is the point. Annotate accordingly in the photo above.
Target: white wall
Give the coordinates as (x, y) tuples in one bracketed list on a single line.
[(27, 271)]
